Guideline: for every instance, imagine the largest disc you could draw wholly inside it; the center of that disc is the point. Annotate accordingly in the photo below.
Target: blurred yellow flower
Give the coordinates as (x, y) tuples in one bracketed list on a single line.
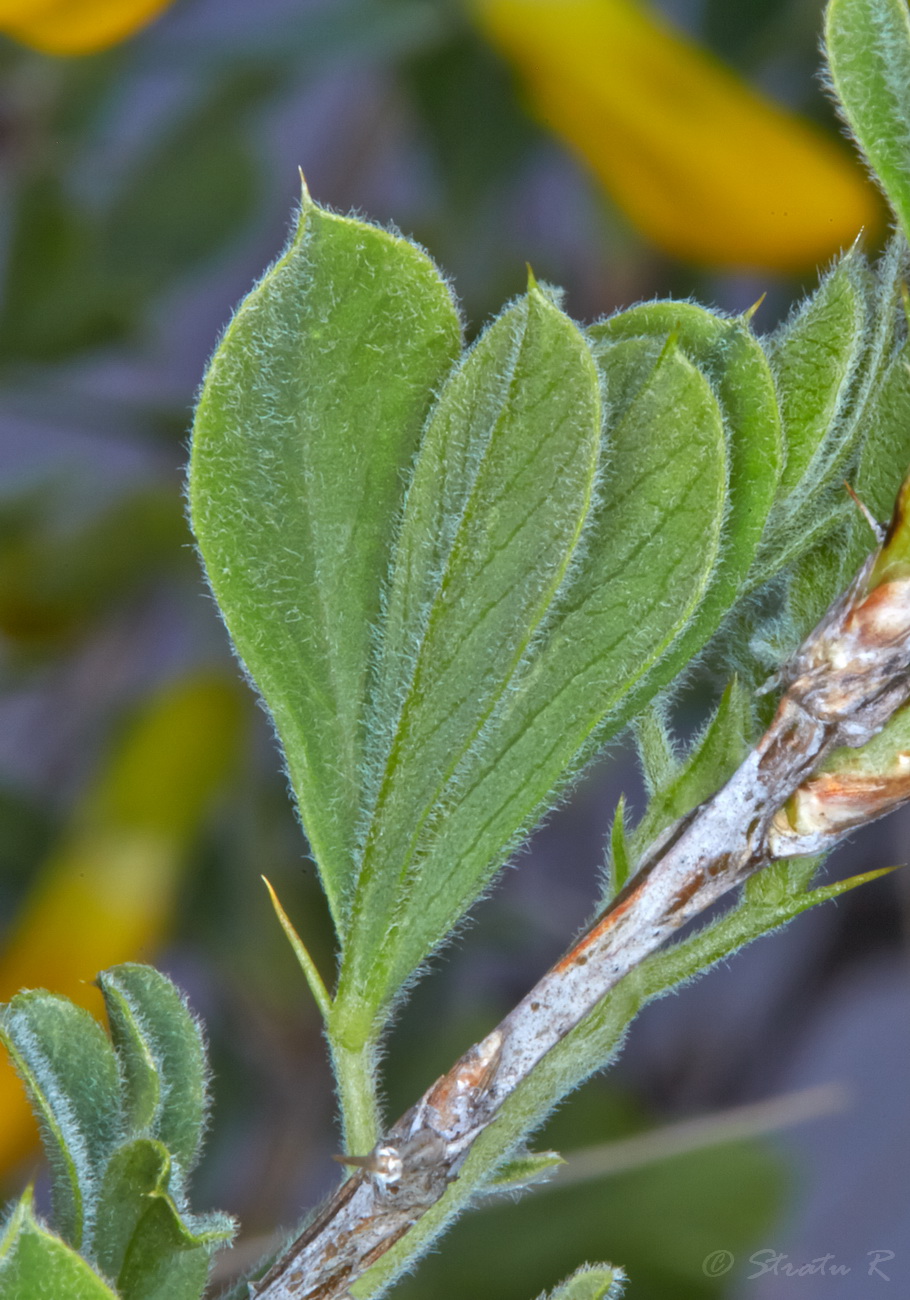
[(706, 167), (75, 26), (108, 893)]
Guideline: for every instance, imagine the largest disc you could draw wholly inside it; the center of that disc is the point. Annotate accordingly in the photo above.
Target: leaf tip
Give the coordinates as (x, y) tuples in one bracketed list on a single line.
[(307, 965)]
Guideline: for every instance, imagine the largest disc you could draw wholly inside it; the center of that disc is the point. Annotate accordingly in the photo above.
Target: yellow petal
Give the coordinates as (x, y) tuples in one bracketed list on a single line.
[(704, 166), (108, 894), (76, 26)]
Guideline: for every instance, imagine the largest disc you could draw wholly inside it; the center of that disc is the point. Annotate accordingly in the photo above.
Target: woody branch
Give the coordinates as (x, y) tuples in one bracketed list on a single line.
[(841, 687)]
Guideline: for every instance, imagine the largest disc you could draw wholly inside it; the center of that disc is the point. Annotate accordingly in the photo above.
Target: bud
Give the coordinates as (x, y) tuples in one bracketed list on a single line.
[(853, 787), (852, 670)]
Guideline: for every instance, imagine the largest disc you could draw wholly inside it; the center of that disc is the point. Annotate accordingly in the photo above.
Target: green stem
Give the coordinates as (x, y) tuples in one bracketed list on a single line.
[(355, 1077)]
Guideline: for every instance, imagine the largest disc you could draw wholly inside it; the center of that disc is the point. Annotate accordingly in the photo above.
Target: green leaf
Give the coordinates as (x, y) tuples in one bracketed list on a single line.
[(659, 762), (619, 865), (312, 406), (817, 359), (135, 1171), (885, 453), (868, 49), (501, 488), (144, 1242), (592, 1282), (140, 1078), (36, 1265), (70, 1074), (166, 1260), (880, 409), (814, 359), (154, 1033), (647, 555), (524, 1169), (731, 358), (305, 961)]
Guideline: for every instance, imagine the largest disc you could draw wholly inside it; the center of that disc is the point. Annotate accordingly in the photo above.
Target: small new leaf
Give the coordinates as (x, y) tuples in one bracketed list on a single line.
[(70, 1074), (620, 865), (146, 1243), (37, 1265), (523, 1170), (592, 1282), (151, 1024), (816, 359)]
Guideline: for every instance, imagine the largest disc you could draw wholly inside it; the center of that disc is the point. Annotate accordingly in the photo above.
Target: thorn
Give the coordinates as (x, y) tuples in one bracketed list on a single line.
[(383, 1162), (532, 279), (305, 197), (307, 965), (356, 1162), (747, 315), (867, 514)]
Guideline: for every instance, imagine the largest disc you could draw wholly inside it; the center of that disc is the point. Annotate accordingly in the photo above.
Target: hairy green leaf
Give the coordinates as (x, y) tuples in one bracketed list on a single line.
[(592, 1282), (814, 359), (523, 1169), (880, 410), (311, 408), (70, 1074), (732, 360), (136, 1171), (501, 488), (659, 760), (162, 1059), (145, 1242), (36, 1265), (868, 48), (817, 360), (647, 555), (167, 1258), (619, 866), (885, 453)]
